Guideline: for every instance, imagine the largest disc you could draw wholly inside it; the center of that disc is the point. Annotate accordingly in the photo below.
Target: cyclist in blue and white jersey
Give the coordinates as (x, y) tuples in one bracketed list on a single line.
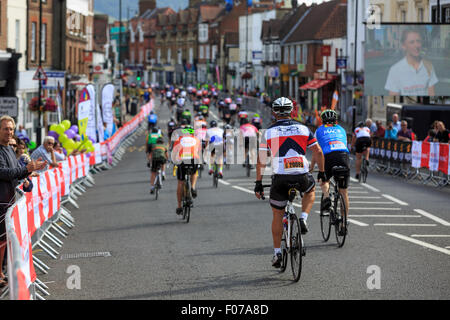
[(332, 138)]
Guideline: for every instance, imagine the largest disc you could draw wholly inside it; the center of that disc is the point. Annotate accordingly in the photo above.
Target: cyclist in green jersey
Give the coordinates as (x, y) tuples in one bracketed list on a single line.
[(158, 157), (187, 115)]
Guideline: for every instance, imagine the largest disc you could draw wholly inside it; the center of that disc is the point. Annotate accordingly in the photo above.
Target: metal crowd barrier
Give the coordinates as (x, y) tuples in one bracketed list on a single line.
[(49, 236)]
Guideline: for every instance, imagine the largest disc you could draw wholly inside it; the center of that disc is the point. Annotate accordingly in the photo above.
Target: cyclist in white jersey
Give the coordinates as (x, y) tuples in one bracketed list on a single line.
[(286, 142), (214, 139), (361, 142)]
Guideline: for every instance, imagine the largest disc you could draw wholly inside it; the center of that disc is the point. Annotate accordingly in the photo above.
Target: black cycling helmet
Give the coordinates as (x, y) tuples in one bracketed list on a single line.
[(282, 106), (160, 140), (155, 130), (184, 121), (360, 124), (329, 117), (213, 124)]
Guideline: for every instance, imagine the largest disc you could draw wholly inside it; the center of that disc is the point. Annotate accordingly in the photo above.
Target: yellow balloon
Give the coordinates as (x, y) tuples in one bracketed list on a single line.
[(53, 127), (60, 129), (62, 138), (66, 124)]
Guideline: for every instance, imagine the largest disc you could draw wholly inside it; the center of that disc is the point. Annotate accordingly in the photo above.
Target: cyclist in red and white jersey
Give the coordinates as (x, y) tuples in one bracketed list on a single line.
[(361, 142), (285, 142), (249, 133)]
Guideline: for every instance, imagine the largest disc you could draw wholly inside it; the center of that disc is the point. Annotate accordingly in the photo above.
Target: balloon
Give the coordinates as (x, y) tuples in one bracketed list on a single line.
[(92, 139), (77, 137), (65, 152), (69, 144), (60, 129), (74, 128), (53, 127), (70, 134), (66, 124), (62, 138), (32, 145), (53, 134)]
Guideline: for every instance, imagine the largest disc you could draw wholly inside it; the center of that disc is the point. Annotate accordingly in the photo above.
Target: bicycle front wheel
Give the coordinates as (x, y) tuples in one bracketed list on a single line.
[(341, 221), (296, 248), (325, 222), (284, 253), (187, 213)]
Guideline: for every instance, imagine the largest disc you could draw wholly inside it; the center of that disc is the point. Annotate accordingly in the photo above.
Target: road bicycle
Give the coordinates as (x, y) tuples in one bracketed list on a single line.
[(187, 199), (216, 175), (364, 171), (336, 216), (158, 182), (292, 243)]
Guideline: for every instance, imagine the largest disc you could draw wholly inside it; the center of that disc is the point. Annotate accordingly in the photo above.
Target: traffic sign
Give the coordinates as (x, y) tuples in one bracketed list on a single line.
[(40, 74)]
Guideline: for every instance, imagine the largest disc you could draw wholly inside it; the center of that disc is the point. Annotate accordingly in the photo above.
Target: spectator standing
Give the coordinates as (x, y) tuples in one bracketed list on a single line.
[(46, 152), (391, 131), (22, 152), (395, 122), (372, 126), (59, 152), (405, 134), (381, 130), (442, 134), (10, 174)]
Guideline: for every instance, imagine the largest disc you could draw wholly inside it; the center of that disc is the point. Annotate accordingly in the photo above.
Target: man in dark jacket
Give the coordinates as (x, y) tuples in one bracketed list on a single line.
[(11, 172)]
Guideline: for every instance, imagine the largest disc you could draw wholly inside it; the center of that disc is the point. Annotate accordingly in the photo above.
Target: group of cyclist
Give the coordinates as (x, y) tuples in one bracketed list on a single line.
[(284, 143)]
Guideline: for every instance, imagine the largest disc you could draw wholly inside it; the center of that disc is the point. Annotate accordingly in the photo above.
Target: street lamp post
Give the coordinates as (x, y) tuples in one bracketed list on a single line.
[(39, 126), (354, 69), (246, 51)]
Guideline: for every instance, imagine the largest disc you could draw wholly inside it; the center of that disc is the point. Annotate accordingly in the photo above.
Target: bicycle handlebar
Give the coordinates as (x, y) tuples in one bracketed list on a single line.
[(265, 186)]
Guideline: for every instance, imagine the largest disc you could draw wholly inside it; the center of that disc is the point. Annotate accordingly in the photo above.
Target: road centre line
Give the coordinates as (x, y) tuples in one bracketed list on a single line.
[(361, 224), (242, 189), (384, 216), (224, 182), (420, 243), (370, 187), (404, 225), (380, 209), (430, 236), (432, 217), (400, 202)]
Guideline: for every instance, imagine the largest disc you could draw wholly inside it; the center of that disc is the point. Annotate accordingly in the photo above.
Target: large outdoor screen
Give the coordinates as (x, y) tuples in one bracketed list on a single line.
[(407, 60)]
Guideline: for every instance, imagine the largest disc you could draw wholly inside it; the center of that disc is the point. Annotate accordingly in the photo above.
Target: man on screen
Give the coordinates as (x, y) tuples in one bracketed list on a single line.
[(413, 75)]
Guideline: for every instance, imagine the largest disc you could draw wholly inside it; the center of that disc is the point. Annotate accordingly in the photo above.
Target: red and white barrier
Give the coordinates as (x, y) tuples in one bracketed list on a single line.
[(35, 208), (431, 155)]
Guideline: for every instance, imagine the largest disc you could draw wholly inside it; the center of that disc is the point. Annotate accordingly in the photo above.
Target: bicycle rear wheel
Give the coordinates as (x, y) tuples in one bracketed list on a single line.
[(364, 171), (187, 213), (341, 221), (284, 253), (247, 166), (325, 222), (296, 248)]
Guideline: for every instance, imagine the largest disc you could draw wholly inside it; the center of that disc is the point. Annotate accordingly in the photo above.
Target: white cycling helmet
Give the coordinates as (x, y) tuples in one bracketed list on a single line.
[(282, 106)]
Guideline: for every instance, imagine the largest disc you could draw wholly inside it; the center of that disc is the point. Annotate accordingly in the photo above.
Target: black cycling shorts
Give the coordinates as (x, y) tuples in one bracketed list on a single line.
[(157, 164), (184, 169), (281, 184), (339, 159), (362, 144), (149, 147)]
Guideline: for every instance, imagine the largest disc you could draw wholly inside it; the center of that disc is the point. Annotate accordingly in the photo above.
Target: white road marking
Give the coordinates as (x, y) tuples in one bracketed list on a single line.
[(224, 182), (383, 216), (420, 243), (364, 202), (432, 217), (400, 202), (358, 223), (363, 197), (243, 189), (430, 236), (370, 187), (380, 209), (404, 225)]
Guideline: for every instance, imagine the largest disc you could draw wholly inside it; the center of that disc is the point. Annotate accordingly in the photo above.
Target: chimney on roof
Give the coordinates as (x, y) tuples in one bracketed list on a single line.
[(145, 5)]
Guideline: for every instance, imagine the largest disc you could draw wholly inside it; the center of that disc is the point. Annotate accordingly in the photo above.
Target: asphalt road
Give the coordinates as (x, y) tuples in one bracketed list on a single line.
[(399, 229)]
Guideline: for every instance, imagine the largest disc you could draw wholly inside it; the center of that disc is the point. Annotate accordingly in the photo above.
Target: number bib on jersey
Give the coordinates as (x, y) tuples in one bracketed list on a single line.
[(294, 163)]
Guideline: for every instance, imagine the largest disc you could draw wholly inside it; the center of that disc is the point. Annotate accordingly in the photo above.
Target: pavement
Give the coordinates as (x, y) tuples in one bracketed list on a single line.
[(398, 246)]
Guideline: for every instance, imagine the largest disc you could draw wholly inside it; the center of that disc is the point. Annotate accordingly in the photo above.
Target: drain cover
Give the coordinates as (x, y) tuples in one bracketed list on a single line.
[(85, 255)]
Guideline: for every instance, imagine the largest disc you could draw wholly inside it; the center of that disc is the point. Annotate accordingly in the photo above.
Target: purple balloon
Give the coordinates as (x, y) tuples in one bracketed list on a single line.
[(77, 137), (74, 128), (53, 134), (70, 134), (92, 139), (65, 152)]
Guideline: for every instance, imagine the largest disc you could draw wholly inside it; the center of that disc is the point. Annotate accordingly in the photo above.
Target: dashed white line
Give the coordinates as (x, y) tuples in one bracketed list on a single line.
[(380, 209), (420, 243), (370, 187), (432, 217), (224, 182), (400, 202), (384, 216), (358, 223), (430, 236), (404, 225)]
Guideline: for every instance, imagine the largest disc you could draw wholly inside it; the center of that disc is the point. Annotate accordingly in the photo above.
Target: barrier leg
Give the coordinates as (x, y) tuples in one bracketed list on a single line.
[(47, 251), (43, 285), (41, 289), (53, 239), (37, 265), (66, 222), (43, 265), (4, 293), (39, 296), (59, 230)]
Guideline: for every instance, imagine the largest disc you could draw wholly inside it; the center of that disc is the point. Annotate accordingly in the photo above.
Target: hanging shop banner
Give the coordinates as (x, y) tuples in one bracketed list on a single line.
[(107, 101), (92, 124), (84, 107)]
